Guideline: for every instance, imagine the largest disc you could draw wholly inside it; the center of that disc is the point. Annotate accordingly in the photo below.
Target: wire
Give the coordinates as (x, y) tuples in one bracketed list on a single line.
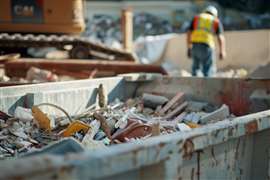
[(57, 107)]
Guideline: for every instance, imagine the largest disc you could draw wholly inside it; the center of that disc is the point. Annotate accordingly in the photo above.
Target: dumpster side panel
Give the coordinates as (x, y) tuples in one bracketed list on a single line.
[(230, 160), (80, 95), (233, 92), (260, 159), (224, 150)]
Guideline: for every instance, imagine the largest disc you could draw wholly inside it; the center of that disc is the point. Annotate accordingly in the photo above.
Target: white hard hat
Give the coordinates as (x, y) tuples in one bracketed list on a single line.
[(212, 10)]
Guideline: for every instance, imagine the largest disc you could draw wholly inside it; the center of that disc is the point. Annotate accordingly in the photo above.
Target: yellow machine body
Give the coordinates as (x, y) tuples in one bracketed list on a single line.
[(42, 16)]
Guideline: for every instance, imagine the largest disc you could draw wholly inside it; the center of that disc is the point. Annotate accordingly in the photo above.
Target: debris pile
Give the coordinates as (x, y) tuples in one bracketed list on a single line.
[(107, 29), (103, 124), (36, 75)]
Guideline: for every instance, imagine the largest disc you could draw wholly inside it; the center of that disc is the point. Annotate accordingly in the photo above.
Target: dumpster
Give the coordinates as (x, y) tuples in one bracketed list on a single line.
[(235, 148)]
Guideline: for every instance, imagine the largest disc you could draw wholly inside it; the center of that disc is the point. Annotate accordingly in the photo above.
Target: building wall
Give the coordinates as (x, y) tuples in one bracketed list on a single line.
[(246, 49)]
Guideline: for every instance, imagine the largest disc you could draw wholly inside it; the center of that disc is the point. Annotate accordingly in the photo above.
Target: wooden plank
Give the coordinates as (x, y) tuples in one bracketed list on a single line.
[(174, 100)]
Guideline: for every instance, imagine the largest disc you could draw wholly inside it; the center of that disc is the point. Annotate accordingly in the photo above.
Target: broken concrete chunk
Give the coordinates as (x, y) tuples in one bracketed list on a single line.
[(23, 114), (95, 125), (64, 122), (18, 131), (220, 114), (122, 123), (176, 111), (148, 111), (89, 143), (196, 106), (19, 143), (153, 101), (194, 117)]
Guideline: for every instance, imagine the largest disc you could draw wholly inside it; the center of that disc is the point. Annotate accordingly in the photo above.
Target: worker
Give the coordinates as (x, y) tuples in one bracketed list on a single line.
[(201, 41)]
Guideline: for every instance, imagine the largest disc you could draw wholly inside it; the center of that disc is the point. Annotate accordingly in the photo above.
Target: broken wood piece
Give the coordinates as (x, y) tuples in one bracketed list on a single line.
[(9, 57), (155, 129), (153, 101), (74, 127), (174, 100), (104, 126), (176, 111), (41, 118), (180, 117), (102, 96)]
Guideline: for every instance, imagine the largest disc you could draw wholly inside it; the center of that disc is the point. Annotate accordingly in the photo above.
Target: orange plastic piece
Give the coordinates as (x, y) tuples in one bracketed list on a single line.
[(74, 127), (193, 125), (41, 118)]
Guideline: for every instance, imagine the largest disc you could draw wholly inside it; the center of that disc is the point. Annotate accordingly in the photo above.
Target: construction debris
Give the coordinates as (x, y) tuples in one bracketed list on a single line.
[(32, 131), (261, 72), (39, 75)]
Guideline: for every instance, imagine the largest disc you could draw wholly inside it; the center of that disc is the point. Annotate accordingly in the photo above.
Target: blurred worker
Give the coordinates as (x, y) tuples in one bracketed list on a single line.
[(201, 41)]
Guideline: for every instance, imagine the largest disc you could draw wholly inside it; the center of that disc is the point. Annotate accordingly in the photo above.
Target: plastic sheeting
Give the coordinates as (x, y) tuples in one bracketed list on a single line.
[(151, 48)]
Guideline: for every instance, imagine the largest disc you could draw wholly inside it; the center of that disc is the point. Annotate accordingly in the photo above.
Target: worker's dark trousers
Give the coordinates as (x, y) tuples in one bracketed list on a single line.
[(203, 59)]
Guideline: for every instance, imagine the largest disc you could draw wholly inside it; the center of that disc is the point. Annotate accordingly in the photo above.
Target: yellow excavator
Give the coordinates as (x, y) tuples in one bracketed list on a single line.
[(50, 23)]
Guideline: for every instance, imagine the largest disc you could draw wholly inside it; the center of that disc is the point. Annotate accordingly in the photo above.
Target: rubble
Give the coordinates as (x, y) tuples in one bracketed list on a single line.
[(106, 28), (32, 131), (40, 75), (261, 72)]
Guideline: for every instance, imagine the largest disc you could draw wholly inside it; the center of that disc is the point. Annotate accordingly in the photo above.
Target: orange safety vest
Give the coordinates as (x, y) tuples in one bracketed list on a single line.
[(204, 28)]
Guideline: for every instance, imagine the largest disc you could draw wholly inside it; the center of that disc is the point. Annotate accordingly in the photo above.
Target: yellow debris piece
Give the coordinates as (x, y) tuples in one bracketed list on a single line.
[(193, 125), (41, 118), (74, 127)]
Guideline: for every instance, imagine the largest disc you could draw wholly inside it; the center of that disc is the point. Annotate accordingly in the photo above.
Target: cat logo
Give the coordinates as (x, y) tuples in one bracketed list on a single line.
[(27, 11)]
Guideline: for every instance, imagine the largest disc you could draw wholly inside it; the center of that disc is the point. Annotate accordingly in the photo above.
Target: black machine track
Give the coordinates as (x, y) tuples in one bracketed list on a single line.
[(82, 48)]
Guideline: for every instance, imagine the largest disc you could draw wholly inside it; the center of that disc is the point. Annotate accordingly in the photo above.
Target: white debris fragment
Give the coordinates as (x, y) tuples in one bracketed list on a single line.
[(194, 117), (183, 127), (23, 114), (122, 123), (220, 114)]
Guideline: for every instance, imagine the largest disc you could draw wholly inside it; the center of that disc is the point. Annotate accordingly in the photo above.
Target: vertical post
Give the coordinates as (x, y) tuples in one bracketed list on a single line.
[(127, 29)]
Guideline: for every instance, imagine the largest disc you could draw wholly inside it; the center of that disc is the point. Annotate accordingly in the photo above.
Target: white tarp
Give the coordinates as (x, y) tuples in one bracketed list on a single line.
[(151, 48)]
